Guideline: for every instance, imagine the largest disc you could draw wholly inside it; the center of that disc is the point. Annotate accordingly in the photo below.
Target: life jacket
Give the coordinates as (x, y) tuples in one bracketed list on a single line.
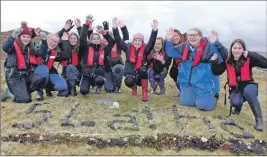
[(90, 58), (74, 60), (51, 59), (231, 75), (244, 72), (199, 53), (151, 65), (20, 57), (132, 58), (114, 51)]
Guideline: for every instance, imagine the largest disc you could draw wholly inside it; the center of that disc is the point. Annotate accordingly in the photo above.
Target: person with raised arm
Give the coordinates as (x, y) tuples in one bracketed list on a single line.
[(198, 85), (94, 57), (24, 75), (136, 58), (158, 63), (241, 84), (114, 74), (177, 39)]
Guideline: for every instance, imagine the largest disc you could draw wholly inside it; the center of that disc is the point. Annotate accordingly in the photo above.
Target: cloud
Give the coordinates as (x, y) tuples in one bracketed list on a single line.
[(232, 19)]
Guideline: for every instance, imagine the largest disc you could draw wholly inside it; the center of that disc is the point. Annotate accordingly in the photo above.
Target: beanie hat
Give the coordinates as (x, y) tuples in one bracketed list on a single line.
[(138, 36), (25, 29)]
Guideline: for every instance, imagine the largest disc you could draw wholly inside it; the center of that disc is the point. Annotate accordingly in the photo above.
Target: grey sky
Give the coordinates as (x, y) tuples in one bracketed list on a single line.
[(240, 19)]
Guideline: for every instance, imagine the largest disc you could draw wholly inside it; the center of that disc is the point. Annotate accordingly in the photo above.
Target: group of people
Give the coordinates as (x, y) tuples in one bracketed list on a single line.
[(94, 60)]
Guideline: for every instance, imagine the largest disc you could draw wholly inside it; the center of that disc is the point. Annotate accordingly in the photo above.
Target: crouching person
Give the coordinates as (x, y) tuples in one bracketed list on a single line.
[(94, 56), (198, 84), (23, 75), (158, 63), (136, 57), (52, 53), (242, 87)]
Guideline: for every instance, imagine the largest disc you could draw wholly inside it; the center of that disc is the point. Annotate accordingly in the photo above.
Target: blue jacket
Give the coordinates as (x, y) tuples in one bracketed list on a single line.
[(201, 75), (11, 58)]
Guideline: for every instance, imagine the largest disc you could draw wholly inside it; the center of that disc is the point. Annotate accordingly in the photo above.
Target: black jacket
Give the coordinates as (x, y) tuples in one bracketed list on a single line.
[(256, 60), (130, 67)]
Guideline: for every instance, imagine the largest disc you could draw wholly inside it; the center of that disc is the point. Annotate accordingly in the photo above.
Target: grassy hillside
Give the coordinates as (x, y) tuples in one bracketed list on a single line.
[(101, 114)]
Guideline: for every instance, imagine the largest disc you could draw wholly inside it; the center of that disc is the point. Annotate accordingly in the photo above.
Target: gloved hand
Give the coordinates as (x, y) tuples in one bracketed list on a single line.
[(68, 25), (16, 32), (89, 21), (43, 35), (106, 25), (100, 30)]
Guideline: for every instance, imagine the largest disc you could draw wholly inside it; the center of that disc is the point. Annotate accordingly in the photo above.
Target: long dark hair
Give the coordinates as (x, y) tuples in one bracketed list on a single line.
[(22, 47), (75, 47), (230, 59)]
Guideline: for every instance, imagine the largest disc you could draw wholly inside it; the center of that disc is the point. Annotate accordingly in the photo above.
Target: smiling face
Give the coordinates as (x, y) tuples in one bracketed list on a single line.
[(176, 38), (194, 37), (237, 50), (137, 43), (73, 39), (158, 45), (25, 39), (52, 41), (95, 39)]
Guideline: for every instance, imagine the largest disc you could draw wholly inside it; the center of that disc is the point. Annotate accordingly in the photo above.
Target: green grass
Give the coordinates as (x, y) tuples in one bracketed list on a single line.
[(101, 114)]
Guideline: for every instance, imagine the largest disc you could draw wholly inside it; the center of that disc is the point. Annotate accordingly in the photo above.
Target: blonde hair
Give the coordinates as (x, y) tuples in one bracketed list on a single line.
[(54, 35)]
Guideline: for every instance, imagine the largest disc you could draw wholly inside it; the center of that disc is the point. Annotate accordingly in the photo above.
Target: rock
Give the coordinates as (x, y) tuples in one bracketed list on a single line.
[(41, 138), (116, 104), (249, 148), (220, 117), (88, 123), (174, 139), (116, 125), (28, 125), (65, 121), (247, 134), (203, 139)]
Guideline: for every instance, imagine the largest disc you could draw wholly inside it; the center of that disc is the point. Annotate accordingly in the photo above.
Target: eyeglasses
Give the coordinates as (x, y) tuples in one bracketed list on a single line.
[(55, 41), (192, 35)]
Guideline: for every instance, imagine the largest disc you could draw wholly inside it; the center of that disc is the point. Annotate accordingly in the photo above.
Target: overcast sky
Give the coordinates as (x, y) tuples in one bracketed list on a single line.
[(240, 19)]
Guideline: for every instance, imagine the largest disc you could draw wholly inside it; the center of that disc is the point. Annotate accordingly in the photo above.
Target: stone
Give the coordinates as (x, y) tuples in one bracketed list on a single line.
[(28, 125), (203, 139), (88, 123)]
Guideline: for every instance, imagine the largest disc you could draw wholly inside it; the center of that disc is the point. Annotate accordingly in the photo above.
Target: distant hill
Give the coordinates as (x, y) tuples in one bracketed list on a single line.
[(4, 35)]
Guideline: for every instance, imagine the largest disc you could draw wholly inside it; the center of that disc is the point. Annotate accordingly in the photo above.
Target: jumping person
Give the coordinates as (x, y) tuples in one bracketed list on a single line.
[(136, 57), (242, 87)]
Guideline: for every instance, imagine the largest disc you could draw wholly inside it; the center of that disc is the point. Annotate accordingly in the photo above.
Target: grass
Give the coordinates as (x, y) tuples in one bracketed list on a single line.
[(101, 114)]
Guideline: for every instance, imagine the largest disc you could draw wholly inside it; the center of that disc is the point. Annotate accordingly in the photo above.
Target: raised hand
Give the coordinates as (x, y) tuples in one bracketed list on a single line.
[(89, 21), (106, 25), (213, 37), (77, 22), (115, 22), (214, 57), (169, 34), (121, 23), (100, 29), (43, 35), (16, 32), (245, 53), (154, 25), (68, 25), (65, 36), (37, 31), (159, 57)]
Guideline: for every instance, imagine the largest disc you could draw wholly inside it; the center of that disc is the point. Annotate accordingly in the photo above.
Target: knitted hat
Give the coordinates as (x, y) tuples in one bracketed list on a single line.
[(138, 36), (25, 29)]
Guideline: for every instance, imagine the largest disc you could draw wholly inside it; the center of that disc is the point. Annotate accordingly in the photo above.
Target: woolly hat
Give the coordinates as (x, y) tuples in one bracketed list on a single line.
[(25, 29), (138, 36)]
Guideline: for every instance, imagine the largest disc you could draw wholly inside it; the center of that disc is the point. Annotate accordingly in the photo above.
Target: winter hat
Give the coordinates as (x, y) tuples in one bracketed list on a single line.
[(25, 29), (138, 36)]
